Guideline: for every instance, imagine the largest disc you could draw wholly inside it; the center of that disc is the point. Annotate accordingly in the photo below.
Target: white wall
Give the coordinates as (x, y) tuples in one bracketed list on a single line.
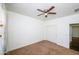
[(52, 32), (75, 31), (58, 29), (23, 30)]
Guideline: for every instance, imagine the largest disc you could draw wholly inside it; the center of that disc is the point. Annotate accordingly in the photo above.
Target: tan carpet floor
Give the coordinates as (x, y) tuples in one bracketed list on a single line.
[(43, 48)]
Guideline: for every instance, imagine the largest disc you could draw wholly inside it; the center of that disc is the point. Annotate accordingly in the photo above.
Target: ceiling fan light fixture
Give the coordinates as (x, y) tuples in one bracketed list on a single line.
[(46, 14), (46, 11)]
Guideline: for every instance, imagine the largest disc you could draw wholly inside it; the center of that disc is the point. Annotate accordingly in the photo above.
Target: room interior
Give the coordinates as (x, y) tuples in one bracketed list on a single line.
[(39, 28), (75, 37)]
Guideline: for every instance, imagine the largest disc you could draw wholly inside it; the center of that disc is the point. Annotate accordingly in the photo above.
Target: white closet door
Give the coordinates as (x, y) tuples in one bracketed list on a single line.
[(2, 28), (1, 46)]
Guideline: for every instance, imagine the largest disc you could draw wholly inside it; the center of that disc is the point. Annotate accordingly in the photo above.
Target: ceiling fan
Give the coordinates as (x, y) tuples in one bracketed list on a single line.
[(46, 12)]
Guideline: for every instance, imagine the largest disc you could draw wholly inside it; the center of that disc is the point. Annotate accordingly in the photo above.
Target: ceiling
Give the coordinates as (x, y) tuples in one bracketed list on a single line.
[(30, 9)]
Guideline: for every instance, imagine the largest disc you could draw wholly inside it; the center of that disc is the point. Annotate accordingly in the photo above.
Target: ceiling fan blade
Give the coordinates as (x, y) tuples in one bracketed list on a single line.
[(40, 10), (52, 13), (40, 14), (50, 8)]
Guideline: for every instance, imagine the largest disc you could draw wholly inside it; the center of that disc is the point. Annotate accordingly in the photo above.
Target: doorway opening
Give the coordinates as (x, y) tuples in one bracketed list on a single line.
[(74, 34)]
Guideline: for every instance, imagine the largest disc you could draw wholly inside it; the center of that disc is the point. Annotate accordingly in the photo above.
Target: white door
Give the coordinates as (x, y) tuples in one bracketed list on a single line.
[(2, 28), (1, 46)]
